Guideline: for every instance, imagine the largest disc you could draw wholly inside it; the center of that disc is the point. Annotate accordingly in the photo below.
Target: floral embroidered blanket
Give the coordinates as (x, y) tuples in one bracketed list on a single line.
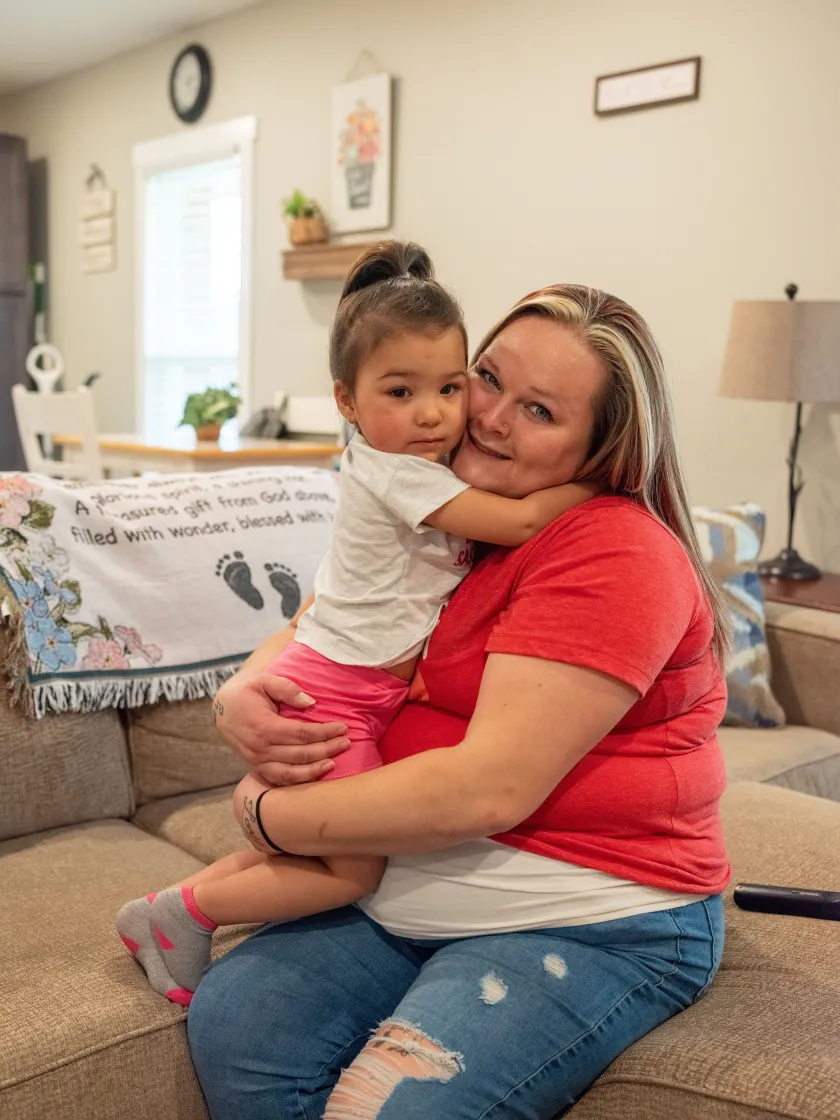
[(124, 592)]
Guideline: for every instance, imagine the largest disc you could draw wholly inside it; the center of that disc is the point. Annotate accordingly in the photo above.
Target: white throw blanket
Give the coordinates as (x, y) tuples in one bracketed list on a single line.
[(124, 592)]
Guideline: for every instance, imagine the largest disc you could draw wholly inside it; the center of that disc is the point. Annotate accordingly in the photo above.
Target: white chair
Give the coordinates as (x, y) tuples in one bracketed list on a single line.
[(51, 414)]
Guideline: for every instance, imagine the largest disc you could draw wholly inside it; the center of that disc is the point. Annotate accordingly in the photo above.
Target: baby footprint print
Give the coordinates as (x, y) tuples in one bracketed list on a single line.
[(286, 585), (237, 575)]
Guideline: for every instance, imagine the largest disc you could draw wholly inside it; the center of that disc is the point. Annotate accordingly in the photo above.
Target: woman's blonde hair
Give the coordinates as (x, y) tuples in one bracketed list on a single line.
[(633, 448)]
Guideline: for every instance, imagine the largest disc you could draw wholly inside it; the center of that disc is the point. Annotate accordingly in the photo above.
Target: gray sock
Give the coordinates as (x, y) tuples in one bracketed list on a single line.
[(183, 934), (135, 930)]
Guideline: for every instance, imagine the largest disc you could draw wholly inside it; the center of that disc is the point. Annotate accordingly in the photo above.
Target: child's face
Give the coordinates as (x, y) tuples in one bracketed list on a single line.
[(410, 396)]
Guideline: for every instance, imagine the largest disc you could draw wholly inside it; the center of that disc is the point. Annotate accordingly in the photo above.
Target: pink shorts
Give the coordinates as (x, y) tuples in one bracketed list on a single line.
[(365, 699)]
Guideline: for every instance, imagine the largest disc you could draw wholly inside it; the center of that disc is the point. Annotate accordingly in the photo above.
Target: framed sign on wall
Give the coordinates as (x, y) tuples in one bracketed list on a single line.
[(361, 154), (664, 84)]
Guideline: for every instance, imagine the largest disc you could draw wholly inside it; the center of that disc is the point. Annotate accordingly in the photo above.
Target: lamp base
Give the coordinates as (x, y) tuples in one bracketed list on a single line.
[(789, 565)]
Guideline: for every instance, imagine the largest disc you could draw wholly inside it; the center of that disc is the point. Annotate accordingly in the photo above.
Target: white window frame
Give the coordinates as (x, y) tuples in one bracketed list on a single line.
[(180, 150)]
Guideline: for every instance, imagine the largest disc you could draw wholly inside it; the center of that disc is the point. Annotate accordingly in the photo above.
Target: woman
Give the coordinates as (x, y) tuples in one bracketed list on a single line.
[(572, 692)]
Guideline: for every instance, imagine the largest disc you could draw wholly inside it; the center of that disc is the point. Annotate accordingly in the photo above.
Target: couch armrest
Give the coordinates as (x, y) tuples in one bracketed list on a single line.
[(805, 658)]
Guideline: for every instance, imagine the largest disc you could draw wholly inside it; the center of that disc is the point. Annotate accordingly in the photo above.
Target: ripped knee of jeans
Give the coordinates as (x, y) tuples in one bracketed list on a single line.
[(398, 1051)]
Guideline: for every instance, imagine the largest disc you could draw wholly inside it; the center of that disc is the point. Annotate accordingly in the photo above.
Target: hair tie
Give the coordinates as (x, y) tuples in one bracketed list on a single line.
[(263, 832)]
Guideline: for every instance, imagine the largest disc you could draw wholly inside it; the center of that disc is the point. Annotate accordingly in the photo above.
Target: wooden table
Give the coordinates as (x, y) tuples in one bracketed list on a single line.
[(819, 594), (182, 453)]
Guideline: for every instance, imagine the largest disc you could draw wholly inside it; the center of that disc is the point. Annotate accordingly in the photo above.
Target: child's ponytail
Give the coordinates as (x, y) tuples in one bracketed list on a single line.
[(391, 289)]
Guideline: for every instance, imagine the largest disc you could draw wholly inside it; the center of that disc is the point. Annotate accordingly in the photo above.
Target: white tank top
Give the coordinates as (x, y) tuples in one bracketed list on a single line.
[(485, 887)]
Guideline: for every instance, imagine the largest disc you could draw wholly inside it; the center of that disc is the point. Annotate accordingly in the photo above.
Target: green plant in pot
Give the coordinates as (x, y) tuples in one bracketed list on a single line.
[(207, 411), (305, 220)]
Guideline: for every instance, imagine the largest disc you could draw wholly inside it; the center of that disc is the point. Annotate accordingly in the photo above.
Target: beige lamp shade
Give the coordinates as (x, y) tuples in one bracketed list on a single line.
[(783, 350)]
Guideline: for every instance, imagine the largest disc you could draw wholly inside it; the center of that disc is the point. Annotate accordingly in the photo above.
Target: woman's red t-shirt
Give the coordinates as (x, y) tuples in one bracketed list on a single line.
[(606, 587)]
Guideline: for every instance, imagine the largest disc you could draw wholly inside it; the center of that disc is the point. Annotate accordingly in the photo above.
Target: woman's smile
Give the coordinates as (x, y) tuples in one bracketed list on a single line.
[(479, 445)]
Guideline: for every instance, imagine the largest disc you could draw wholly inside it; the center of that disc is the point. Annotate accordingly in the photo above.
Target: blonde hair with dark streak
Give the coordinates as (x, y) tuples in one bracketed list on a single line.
[(633, 447)]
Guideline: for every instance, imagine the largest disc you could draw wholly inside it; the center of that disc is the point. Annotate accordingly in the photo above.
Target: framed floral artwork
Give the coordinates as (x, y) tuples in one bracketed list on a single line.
[(360, 161)]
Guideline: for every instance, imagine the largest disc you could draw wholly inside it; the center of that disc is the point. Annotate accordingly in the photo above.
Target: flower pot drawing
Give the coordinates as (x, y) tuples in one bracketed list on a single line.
[(360, 147), (359, 179)]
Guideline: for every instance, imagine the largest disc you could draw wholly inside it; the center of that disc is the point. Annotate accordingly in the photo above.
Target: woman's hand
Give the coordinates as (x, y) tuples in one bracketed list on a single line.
[(282, 751)]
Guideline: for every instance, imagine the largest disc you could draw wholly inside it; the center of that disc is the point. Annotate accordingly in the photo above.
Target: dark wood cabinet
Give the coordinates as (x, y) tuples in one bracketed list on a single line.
[(821, 594), (14, 290)]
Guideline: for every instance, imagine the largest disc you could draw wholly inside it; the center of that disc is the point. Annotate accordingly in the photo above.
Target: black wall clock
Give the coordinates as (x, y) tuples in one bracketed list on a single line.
[(190, 82)]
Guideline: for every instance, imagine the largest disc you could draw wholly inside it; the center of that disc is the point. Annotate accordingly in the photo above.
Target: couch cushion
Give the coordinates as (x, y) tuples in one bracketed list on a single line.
[(201, 823), (805, 652), (800, 758), (59, 770), (79, 1022), (175, 748), (764, 1041), (83, 1033)]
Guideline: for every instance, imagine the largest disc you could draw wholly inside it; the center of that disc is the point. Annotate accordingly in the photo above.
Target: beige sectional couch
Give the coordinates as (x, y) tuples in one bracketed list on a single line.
[(96, 809)]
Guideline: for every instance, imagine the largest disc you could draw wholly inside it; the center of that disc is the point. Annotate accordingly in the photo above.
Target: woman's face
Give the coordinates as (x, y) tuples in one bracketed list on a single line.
[(531, 409)]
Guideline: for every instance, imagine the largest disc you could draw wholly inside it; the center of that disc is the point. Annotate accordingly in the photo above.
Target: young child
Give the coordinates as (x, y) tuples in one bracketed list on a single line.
[(400, 546)]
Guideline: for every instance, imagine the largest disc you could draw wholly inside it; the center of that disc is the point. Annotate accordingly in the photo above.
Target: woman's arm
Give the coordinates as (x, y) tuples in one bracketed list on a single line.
[(481, 516), (284, 751), (534, 720)]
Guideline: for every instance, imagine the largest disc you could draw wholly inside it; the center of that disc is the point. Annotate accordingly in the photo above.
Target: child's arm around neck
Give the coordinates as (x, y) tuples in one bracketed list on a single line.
[(508, 521)]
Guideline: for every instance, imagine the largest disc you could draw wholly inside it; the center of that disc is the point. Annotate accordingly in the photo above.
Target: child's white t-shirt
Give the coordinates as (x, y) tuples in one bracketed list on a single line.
[(381, 587)]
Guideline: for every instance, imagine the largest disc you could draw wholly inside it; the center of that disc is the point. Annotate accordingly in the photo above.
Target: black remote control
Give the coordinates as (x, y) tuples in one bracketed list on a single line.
[(796, 901)]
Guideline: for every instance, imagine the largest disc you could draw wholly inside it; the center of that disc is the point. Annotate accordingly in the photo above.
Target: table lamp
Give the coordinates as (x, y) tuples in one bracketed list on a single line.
[(785, 350)]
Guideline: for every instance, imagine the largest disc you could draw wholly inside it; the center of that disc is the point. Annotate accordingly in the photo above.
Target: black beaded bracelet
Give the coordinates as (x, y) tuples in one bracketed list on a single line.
[(263, 832)]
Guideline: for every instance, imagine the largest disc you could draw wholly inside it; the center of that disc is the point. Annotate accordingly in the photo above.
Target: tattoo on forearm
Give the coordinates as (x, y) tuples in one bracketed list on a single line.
[(218, 709), (249, 822)]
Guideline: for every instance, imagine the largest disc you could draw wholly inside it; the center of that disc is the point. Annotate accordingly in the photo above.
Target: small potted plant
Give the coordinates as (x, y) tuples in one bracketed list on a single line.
[(207, 411), (306, 222)]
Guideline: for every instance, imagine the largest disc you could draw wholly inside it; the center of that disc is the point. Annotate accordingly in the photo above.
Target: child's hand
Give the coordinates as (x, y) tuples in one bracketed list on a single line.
[(244, 803), (481, 516), (556, 500)]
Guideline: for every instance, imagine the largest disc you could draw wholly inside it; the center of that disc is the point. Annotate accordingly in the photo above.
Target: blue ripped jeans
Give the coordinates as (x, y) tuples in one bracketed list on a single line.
[(480, 1028)]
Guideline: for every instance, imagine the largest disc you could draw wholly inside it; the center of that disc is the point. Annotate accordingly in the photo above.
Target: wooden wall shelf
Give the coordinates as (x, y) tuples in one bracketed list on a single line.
[(321, 262)]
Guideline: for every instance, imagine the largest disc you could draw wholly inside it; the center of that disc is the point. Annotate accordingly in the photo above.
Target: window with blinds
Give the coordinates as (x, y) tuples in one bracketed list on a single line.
[(191, 286)]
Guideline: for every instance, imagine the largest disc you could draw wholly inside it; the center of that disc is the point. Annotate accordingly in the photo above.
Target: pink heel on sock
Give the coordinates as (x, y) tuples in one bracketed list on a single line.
[(180, 995)]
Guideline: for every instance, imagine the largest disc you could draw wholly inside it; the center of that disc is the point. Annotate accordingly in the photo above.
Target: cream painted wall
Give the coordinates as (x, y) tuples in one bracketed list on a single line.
[(505, 174)]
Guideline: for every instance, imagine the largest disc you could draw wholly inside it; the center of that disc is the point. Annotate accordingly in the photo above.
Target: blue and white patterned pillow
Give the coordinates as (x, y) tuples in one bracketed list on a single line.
[(731, 541)]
